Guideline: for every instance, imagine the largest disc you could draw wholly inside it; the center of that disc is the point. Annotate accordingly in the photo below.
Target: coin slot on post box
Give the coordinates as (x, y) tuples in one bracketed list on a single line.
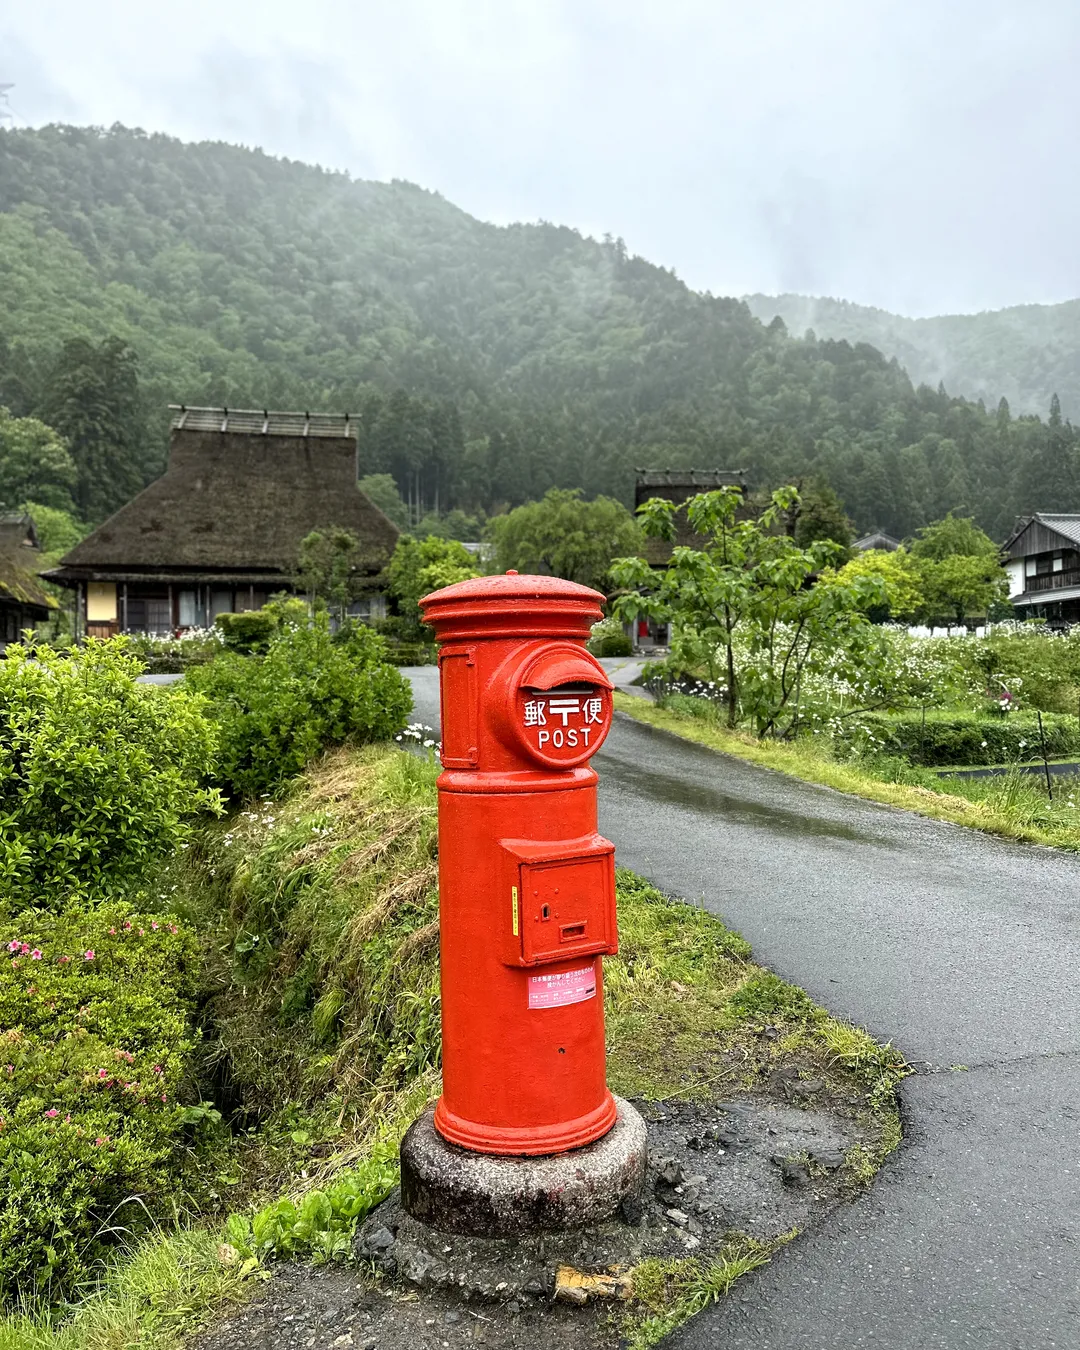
[(567, 905)]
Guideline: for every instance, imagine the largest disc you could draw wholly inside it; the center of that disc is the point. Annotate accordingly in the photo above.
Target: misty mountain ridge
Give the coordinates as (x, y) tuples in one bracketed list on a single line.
[(484, 363), (1025, 353)]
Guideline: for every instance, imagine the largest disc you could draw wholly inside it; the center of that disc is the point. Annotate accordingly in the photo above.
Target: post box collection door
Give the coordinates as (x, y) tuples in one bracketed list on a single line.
[(526, 883)]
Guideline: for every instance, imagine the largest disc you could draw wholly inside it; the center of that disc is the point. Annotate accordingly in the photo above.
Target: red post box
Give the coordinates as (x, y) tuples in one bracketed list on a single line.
[(526, 884)]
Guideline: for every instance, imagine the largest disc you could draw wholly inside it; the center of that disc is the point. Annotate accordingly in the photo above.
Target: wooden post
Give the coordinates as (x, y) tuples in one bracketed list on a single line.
[(124, 611), (1046, 762)]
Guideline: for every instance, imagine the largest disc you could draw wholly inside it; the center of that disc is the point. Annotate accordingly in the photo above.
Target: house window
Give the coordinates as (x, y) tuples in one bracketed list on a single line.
[(221, 602), (1030, 566), (1059, 562), (192, 609), (158, 616)]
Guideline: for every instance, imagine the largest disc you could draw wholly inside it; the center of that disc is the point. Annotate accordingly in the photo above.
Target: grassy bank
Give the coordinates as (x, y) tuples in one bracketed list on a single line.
[(317, 918), (1016, 806)]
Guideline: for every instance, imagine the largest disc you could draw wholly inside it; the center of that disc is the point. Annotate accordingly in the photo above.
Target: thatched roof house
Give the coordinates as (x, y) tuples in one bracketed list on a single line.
[(220, 530), (24, 602)]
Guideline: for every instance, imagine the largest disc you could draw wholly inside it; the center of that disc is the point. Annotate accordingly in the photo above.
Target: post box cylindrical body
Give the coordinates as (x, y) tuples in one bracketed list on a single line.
[(526, 883)]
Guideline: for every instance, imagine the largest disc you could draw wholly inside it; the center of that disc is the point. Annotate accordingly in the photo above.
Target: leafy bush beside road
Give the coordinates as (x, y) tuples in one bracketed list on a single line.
[(277, 712), (98, 774)]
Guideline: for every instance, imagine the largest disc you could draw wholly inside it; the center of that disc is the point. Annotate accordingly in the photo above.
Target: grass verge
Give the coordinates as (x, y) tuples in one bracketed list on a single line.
[(1012, 807), (317, 915)]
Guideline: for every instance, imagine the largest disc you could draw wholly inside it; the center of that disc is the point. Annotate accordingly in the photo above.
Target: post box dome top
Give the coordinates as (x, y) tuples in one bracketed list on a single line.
[(509, 605)]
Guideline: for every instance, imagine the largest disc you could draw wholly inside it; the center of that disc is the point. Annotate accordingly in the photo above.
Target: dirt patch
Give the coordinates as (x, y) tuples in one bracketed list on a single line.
[(739, 1167)]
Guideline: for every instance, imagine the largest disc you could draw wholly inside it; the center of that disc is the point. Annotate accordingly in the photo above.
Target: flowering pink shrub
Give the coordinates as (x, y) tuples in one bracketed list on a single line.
[(96, 1033)]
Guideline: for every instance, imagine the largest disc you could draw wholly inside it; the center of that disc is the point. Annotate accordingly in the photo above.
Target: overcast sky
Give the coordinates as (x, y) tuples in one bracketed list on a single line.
[(914, 154)]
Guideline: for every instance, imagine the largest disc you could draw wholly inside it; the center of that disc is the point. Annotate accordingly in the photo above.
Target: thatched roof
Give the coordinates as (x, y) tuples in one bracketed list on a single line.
[(236, 501), (679, 485), (19, 558)]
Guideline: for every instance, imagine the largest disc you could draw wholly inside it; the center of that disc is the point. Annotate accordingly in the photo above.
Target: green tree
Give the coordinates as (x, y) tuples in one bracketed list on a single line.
[(93, 401), (564, 536), (382, 491), (961, 586), (744, 599), (953, 536), (821, 516), (419, 566), (902, 596), (332, 568), (34, 463), (58, 531)]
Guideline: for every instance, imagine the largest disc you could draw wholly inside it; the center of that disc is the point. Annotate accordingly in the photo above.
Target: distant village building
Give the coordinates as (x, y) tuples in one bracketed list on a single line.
[(878, 540), (221, 529), (24, 602), (675, 485), (1042, 558)]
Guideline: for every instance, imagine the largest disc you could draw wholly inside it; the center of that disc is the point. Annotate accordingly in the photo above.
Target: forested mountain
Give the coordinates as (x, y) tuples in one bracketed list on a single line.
[(1026, 353), (486, 363)]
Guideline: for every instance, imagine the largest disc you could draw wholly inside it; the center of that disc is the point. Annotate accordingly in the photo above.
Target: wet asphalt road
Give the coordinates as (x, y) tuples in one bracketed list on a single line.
[(964, 951)]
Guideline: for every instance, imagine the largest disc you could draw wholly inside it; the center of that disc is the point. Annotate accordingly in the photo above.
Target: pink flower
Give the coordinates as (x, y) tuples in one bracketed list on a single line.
[(67, 1120), (64, 959), (13, 946), (51, 1114), (154, 927), (142, 932), (127, 923), (164, 1096), (24, 949), (35, 955), (99, 1141), (103, 1073), (173, 928), (88, 955), (112, 932)]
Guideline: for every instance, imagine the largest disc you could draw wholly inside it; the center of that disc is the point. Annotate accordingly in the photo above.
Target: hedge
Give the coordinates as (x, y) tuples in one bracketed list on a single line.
[(969, 739)]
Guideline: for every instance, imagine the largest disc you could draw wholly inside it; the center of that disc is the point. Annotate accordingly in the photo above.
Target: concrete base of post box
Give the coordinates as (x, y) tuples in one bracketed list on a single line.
[(482, 1195)]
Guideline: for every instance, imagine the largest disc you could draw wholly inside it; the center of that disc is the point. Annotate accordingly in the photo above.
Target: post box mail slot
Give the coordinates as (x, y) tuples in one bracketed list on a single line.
[(562, 900)]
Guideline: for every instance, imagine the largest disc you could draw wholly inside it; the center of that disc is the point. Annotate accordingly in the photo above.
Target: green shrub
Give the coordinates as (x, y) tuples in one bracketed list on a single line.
[(968, 739), (96, 1011), (98, 774), (615, 644), (277, 712), (609, 639), (248, 632)]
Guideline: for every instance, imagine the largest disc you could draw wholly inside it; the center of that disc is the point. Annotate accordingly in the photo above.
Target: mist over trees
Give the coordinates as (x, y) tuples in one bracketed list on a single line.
[(485, 365), (1026, 353)]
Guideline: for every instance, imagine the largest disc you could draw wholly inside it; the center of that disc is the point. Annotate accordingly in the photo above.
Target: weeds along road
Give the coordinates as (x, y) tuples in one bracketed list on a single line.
[(961, 949)]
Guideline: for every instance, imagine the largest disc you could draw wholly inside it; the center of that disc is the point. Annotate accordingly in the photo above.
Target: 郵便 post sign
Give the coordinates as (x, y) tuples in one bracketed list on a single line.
[(561, 705)]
